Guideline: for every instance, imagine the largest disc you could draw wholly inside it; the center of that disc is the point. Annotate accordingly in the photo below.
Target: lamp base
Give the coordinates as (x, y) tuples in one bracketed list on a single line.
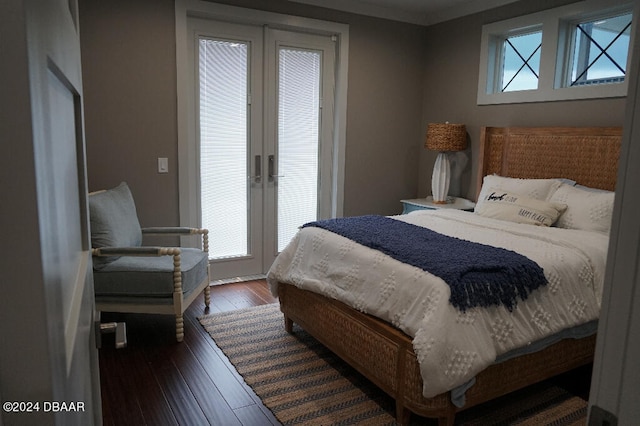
[(440, 179)]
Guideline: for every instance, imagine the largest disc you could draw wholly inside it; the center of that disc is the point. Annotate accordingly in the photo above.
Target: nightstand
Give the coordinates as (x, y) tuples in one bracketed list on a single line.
[(428, 204)]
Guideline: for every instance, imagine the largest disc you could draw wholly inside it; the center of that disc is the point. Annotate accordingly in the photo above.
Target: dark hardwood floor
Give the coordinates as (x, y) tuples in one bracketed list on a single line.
[(157, 381)]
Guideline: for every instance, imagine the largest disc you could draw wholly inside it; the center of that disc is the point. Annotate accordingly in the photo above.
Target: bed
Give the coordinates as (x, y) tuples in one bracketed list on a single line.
[(386, 354)]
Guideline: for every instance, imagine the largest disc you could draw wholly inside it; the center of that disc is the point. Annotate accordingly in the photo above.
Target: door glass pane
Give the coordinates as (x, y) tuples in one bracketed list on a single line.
[(223, 69), (298, 136)]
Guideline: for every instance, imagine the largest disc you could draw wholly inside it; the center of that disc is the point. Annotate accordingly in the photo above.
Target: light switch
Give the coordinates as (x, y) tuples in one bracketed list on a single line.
[(163, 165)]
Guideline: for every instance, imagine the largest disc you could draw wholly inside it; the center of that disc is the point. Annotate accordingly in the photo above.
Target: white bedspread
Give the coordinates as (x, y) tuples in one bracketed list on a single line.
[(451, 346)]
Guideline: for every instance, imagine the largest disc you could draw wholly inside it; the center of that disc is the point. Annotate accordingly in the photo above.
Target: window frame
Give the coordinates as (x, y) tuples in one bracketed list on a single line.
[(497, 77), (569, 29), (555, 55)]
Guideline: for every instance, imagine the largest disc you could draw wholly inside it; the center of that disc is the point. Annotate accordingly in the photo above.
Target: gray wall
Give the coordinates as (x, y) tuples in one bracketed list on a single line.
[(128, 50), (401, 77), (129, 78), (451, 86)]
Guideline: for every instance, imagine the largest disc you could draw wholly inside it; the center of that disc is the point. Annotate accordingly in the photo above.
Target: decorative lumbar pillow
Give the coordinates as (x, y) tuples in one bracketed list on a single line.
[(540, 189), (501, 204), (587, 209)]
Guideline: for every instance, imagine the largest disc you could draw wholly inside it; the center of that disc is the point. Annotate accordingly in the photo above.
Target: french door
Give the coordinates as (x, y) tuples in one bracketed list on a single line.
[(263, 117)]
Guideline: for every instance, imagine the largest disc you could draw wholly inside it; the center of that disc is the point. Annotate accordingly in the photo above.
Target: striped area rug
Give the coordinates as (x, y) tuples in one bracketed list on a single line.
[(302, 382)]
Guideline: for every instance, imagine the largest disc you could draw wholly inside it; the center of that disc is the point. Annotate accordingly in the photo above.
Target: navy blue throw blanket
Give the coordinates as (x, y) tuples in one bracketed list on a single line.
[(478, 274)]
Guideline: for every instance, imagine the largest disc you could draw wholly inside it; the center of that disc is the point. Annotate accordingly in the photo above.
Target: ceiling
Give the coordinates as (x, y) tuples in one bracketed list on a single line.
[(421, 12)]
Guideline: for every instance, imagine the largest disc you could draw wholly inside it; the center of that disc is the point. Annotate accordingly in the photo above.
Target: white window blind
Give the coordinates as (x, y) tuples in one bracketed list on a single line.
[(298, 136), (223, 69)]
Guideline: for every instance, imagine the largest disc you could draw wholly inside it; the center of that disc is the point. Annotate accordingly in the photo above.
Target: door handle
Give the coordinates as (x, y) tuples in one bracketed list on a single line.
[(119, 328), (271, 168), (257, 167)]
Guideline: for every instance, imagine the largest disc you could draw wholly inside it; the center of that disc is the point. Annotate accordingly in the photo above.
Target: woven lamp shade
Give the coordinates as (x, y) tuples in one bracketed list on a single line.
[(446, 137)]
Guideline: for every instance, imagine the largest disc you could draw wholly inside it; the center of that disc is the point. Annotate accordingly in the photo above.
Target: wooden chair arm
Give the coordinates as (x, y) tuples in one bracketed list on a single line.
[(136, 251), (173, 230), (180, 230)]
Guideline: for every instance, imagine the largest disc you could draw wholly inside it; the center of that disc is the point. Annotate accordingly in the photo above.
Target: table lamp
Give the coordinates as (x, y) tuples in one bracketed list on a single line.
[(444, 138)]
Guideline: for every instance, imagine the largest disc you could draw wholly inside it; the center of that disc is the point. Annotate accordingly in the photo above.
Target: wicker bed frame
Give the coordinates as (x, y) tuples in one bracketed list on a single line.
[(385, 354)]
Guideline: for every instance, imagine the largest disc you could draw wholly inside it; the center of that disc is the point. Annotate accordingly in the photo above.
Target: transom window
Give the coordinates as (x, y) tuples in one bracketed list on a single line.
[(578, 51), (600, 50), (521, 66)]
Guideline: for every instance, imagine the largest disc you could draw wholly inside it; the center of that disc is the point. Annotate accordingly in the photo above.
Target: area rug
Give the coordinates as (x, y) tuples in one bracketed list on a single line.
[(302, 382)]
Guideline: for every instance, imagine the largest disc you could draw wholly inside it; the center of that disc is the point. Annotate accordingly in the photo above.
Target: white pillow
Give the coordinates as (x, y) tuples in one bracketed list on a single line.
[(505, 205), (540, 189), (587, 209), (588, 188)]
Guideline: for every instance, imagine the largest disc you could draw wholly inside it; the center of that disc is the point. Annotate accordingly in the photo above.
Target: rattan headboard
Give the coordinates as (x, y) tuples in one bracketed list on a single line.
[(587, 155)]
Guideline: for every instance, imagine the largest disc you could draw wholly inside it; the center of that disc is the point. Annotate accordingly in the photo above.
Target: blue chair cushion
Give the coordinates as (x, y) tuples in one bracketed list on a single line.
[(114, 221), (150, 277)]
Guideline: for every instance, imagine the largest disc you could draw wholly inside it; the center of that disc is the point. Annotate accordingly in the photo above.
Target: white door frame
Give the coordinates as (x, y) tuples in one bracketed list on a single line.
[(263, 139), (252, 35), (187, 154), (274, 40), (615, 386)]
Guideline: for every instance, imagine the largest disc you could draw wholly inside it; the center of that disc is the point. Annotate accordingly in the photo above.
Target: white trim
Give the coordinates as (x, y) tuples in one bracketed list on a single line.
[(552, 58), (325, 47), (616, 371), (242, 279), (72, 324), (186, 152)]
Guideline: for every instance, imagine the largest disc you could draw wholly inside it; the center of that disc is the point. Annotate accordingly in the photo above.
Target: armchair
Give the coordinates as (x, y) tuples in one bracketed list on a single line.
[(129, 277)]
